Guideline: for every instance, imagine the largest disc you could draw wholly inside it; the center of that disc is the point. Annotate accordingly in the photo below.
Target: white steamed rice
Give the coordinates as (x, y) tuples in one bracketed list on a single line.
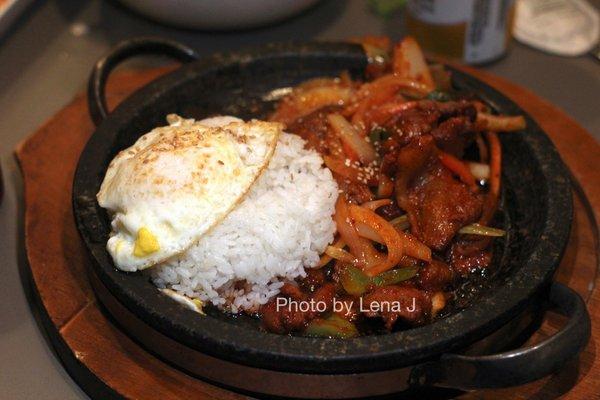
[(281, 227)]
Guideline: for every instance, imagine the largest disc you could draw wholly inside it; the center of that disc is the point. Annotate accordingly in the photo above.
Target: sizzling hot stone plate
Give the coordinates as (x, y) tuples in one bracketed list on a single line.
[(537, 203)]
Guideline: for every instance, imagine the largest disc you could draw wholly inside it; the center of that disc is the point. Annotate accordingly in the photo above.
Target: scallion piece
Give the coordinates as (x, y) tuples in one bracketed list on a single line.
[(476, 229), (394, 276), (438, 95), (378, 135), (354, 281), (331, 327), (401, 222)]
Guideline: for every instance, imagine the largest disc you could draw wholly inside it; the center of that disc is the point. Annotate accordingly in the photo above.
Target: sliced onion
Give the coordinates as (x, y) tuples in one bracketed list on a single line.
[(413, 247), (360, 247), (500, 123), (386, 232), (302, 101), (319, 83), (379, 92), (406, 86), (325, 258), (375, 204), (409, 62), (340, 254), (479, 170), (367, 232), (352, 138)]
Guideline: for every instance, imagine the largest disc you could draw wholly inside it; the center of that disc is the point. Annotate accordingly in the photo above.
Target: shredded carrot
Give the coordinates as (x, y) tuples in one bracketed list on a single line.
[(491, 202), (483, 150), (458, 168)]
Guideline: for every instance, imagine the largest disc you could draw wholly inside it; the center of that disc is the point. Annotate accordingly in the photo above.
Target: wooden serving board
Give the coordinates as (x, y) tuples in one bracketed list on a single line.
[(108, 364)]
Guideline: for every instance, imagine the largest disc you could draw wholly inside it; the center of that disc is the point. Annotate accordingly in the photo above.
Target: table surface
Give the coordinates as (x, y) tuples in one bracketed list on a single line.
[(45, 59)]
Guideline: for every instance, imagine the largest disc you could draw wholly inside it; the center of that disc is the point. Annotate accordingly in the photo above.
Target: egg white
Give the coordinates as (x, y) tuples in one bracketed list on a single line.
[(177, 182)]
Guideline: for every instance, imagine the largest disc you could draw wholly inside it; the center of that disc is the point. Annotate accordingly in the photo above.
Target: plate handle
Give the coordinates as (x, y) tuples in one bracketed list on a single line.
[(515, 367), (122, 51)]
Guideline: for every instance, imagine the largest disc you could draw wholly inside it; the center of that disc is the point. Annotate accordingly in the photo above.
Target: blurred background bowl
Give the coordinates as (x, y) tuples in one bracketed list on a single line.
[(218, 14)]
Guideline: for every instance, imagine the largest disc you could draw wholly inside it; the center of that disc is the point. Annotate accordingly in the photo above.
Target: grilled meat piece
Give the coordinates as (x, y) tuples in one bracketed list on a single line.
[(438, 205), (314, 128), (289, 317), (398, 302), (435, 276), (467, 254), (449, 123)]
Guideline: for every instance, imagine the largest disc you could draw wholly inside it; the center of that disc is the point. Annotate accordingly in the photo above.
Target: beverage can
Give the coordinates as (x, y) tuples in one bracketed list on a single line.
[(473, 31)]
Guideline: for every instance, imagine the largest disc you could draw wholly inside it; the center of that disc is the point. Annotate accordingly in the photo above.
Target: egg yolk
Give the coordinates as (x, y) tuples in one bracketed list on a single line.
[(145, 243), (199, 304)]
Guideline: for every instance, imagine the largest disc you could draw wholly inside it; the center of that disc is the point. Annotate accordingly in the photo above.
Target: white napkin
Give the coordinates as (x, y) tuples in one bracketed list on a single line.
[(563, 27)]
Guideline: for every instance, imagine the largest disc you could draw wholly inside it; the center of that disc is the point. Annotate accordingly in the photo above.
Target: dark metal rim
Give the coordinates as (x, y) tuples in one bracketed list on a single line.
[(511, 368), (283, 353)]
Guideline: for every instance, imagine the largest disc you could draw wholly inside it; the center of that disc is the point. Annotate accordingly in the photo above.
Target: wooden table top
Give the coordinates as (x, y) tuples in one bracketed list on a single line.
[(109, 364)]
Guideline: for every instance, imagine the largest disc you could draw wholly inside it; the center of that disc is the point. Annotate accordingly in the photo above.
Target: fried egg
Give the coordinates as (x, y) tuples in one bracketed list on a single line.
[(177, 182)]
